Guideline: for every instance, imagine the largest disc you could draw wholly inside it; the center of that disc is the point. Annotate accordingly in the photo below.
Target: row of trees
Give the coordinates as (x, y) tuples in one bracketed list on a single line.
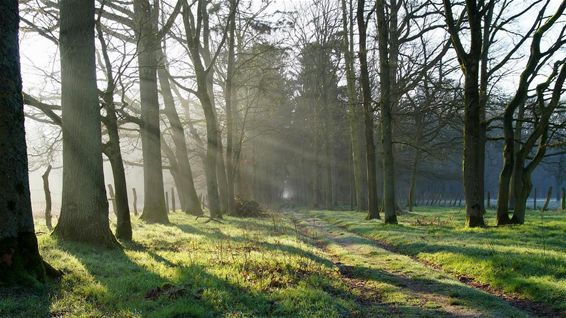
[(281, 106)]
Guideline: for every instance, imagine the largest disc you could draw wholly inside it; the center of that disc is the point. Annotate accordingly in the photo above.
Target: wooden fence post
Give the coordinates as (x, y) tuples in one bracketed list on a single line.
[(547, 200), (173, 199), (113, 199), (167, 201), (135, 201), (563, 204)]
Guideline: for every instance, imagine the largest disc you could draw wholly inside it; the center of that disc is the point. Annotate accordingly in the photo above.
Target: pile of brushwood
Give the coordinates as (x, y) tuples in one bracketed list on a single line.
[(247, 208)]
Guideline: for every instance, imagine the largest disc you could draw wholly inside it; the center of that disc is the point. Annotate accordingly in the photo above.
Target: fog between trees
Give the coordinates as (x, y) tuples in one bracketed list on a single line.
[(330, 104)]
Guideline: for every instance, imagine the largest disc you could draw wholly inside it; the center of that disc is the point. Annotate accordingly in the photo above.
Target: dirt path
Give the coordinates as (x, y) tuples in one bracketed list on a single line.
[(395, 285)]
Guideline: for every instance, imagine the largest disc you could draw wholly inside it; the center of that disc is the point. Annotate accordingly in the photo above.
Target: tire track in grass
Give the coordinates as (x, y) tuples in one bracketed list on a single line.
[(534, 309), (401, 285)]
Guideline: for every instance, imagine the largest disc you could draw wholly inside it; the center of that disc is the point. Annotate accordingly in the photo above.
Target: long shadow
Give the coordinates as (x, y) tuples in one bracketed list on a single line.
[(536, 266), (127, 286), (533, 263), (218, 235), (381, 309), (27, 302), (131, 287), (464, 295)]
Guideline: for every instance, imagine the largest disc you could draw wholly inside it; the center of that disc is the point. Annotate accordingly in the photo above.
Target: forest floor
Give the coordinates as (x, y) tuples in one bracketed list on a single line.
[(298, 264)]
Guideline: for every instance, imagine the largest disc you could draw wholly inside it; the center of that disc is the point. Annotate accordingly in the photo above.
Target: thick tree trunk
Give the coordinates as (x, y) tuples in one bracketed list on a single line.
[(373, 202), (154, 193), (47, 192), (472, 162), (84, 208), (20, 262), (387, 61)]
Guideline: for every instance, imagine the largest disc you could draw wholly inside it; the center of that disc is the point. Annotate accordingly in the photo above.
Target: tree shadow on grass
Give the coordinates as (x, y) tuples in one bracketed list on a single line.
[(274, 247), (129, 286), (462, 294), (409, 276), (27, 302)]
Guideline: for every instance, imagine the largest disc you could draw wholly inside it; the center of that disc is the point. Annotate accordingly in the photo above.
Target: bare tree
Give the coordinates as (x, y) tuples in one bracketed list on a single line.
[(84, 208)]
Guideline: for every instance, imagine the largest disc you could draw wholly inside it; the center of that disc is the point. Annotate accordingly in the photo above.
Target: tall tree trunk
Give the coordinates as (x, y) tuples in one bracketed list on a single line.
[(474, 123), (112, 150), (517, 145), (387, 58), (230, 107), (84, 208), (207, 57), (201, 73), (186, 185), (373, 202), (154, 193), (20, 262), (352, 101), (472, 163), (47, 192)]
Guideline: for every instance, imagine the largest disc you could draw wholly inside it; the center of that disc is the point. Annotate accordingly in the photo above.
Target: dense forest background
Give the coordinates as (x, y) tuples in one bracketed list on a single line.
[(288, 124)]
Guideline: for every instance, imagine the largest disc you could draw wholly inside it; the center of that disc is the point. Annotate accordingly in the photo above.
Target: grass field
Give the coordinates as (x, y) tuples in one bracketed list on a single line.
[(242, 268), (527, 260), (280, 266)]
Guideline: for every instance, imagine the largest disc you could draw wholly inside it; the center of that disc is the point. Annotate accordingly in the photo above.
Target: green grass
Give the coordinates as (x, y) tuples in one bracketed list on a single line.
[(528, 260), (242, 268), (267, 268)]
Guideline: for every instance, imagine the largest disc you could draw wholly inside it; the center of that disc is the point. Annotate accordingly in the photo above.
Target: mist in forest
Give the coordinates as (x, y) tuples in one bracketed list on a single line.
[(245, 157)]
